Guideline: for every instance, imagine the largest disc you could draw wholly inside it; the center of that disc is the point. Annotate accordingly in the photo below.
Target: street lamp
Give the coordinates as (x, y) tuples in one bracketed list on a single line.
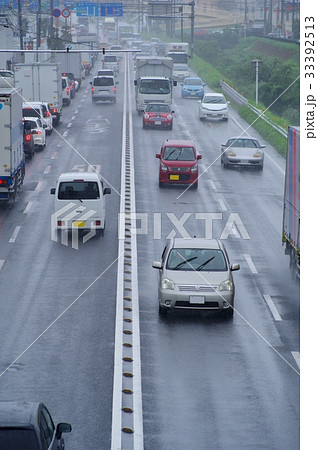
[(256, 63)]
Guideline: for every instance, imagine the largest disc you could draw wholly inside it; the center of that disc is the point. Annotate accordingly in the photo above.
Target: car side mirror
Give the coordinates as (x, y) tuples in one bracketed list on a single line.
[(135, 82), (235, 267), (158, 155), (117, 82), (62, 428), (181, 84), (90, 82), (199, 156), (52, 190), (157, 265), (107, 191)]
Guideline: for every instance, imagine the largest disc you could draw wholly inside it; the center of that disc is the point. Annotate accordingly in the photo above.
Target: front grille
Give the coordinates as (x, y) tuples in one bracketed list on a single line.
[(196, 288), (206, 305), (179, 169)]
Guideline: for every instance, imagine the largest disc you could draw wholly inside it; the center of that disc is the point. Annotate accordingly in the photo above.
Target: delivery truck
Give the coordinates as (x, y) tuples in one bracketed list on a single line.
[(12, 162), (41, 82), (291, 209), (153, 81), (70, 63)]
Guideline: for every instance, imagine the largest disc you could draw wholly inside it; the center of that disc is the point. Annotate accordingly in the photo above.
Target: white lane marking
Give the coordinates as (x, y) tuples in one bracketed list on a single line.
[(296, 356), (73, 118), (38, 186), (54, 155), (65, 134), (204, 167), (15, 234), (69, 125), (76, 111), (47, 170), (27, 208), (212, 184), (266, 155), (222, 204), (250, 263), (2, 261), (272, 307)]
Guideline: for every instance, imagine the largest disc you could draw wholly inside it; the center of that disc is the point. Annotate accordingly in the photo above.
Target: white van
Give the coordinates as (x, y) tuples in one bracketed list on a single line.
[(104, 88), (40, 110), (79, 202)]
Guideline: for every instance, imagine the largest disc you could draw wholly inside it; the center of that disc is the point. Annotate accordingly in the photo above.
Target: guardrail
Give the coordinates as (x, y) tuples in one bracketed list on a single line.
[(241, 100)]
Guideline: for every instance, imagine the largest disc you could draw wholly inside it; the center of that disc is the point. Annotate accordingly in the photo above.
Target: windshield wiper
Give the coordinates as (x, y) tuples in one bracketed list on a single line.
[(183, 262), (205, 263)]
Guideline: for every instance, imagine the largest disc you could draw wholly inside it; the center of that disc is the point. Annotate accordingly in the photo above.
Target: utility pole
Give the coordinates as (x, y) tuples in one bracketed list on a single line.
[(192, 29), (38, 28), (20, 24)]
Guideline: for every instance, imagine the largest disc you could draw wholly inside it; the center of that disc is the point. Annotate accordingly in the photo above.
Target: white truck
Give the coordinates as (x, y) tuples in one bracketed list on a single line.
[(70, 63), (12, 162), (178, 51), (41, 82), (153, 81)]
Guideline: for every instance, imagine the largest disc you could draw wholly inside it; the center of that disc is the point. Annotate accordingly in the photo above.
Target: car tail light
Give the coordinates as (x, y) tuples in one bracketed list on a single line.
[(59, 223), (28, 137), (3, 182), (53, 110), (114, 89), (98, 223), (38, 132), (92, 89), (47, 114)]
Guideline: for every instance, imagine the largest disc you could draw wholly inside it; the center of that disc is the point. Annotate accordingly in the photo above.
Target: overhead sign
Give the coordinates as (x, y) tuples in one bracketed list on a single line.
[(111, 9), (84, 9)]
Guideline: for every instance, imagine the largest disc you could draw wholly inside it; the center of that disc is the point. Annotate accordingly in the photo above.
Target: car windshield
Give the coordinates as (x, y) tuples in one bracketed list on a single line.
[(78, 190), (103, 81), (213, 99), (192, 82), (176, 68), (158, 108), (31, 112), (154, 87), (196, 259), (179, 154), (30, 125), (249, 143), (18, 438), (111, 58)]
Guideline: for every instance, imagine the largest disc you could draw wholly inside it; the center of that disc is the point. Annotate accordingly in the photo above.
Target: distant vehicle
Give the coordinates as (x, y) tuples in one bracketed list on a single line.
[(111, 62), (213, 106), (29, 426), (104, 88), (28, 141), (157, 115), (119, 54), (71, 79), (180, 72), (291, 213), (37, 131), (242, 151), (66, 91), (192, 88), (6, 79), (40, 110), (178, 163), (71, 64), (195, 274), (86, 191), (106, 73)]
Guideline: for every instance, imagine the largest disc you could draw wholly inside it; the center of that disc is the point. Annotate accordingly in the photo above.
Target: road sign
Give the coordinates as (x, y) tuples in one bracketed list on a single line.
[(84, 9), (66, 13), (56, 12), (111, 9)]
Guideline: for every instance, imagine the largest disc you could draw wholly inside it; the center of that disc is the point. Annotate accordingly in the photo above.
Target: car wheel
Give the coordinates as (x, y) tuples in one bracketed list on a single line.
[(195, 185), (225, 119), (144, 125), (201, 118), (228, 313), (260, 167), (160, 184), (170, 128)]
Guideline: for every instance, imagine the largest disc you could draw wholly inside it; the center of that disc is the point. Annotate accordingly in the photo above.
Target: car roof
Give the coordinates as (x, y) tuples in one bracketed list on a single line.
[(213, 94), (18, 412), (179, 143), (71, 176), (197, 243), (243, 137), (193, 78)]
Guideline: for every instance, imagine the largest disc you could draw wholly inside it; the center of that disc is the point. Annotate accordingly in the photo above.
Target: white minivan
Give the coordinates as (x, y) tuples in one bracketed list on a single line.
[(79, 202)]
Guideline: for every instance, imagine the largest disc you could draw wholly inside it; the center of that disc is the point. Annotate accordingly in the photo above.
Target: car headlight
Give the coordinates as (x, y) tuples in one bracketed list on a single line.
[(230, 153), (167, 284), (226, 285), (169, 116), (146, 116), (258, 154), (163, 167), (194, 168)]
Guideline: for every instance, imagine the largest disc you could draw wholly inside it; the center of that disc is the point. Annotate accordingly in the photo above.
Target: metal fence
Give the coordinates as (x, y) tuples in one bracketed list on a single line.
[(238, 98)]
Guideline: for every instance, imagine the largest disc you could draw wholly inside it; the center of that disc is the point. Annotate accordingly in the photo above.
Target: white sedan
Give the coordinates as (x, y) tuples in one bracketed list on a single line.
[(37, 131), (213, 106)]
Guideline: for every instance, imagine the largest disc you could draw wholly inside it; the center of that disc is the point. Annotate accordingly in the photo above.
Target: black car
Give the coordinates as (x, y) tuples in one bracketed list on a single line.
[(28, 142), (29, 426)]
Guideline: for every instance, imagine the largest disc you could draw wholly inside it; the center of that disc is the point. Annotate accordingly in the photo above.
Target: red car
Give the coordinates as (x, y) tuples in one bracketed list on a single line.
[(157, 116), (178, 163)]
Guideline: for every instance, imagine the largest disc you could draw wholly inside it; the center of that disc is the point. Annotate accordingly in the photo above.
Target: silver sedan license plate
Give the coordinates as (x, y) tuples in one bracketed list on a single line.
[(200, 299)]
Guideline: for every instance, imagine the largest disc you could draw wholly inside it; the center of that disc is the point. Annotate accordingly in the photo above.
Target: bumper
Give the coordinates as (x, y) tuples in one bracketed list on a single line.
[(254, 162), (80, 225), (193, 94), (108, 97), (214, 115), (157, 124), (178, 178), (213, 301)]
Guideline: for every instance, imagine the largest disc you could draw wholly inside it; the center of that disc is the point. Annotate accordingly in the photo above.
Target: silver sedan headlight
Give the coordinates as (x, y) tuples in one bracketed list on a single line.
[(226, 285), (167, 284)]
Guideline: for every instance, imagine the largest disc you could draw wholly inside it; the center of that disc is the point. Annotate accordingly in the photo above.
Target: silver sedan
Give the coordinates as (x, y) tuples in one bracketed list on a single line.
[(242, 151), (195, 274)]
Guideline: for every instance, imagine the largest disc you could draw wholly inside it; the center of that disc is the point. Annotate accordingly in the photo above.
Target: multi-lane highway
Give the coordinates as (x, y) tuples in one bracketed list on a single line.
[(204, 382)]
